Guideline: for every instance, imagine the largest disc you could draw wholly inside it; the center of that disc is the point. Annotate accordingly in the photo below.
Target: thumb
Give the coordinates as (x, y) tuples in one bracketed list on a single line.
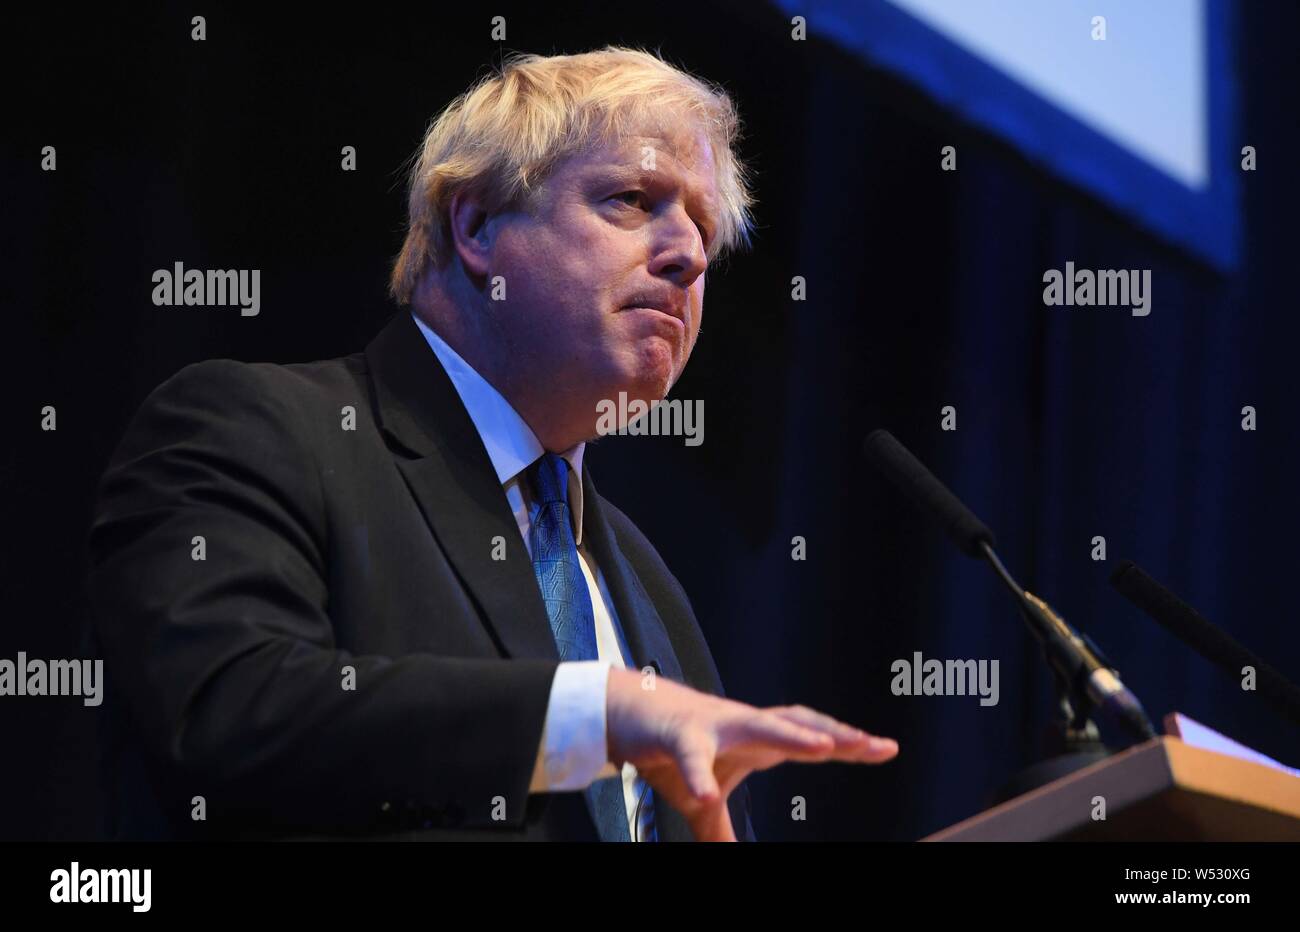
[(712, 823), (695, 761)]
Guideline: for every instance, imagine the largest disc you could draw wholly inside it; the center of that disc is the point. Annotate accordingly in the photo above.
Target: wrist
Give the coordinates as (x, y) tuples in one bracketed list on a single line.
[(620, 692)]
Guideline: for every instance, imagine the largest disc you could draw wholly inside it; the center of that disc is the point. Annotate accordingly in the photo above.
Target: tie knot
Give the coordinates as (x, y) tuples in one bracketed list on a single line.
[(550, 479)]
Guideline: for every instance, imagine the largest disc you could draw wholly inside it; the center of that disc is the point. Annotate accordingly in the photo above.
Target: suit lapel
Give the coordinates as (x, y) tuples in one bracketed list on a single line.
[(647, 639), (447, 468)]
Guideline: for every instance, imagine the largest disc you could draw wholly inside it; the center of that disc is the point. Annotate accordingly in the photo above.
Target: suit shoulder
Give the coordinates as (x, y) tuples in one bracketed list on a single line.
[(253, 395), (288, 381), (215, 432), (244, 410)]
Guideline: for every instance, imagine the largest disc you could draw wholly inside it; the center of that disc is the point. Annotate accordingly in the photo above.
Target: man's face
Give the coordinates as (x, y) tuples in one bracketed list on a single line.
[(605, 274)]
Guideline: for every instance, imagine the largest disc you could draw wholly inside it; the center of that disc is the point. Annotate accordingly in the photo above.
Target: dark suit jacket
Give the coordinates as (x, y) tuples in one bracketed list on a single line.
[(327, 549)]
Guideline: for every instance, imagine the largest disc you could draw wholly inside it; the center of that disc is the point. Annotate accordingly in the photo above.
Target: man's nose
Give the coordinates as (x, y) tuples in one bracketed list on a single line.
[(679, 250)]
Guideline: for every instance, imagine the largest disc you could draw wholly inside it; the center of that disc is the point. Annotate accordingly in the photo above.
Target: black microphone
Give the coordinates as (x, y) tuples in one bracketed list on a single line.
[(928, 493), (1197, 632), (1077, 663)]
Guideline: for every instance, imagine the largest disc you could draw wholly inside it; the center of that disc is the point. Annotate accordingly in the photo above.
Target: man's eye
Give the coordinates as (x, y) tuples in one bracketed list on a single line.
[(631, 198)]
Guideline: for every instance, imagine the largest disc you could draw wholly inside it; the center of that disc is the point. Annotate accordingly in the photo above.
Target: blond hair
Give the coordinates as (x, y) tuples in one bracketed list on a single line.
[(501, 138)]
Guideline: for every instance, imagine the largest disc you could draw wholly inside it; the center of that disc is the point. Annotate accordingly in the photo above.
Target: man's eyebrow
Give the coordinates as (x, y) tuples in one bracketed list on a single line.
[(707, 207), (618, 171)]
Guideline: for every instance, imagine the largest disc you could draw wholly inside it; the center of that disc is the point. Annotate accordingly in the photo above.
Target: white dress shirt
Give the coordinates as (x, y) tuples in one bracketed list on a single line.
[(573, 749)]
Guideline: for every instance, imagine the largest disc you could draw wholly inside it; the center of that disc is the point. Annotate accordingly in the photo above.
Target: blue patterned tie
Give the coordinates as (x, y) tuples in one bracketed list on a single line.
[(568, 605)]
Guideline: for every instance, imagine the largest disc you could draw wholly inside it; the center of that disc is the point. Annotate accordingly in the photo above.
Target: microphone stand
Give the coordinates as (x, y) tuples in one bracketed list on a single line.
[(1073, 739)]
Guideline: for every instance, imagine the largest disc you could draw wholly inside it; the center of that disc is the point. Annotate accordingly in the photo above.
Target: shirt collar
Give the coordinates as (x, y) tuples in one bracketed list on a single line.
[(511, 444)]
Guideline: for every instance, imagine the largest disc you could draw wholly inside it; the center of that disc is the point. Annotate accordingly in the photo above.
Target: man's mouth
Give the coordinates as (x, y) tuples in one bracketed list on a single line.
[(666, 325), (662, 313), (665, 304)]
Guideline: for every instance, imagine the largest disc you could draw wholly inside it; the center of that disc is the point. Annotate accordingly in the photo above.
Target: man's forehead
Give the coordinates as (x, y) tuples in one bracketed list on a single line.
[(677, 156), (691, 151)]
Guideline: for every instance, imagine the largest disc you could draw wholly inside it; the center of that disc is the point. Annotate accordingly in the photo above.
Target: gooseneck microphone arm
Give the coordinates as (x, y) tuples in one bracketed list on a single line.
[(1083, 672)]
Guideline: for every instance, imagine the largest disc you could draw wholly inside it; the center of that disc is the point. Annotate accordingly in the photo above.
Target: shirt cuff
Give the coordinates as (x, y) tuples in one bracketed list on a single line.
[(573, 751)]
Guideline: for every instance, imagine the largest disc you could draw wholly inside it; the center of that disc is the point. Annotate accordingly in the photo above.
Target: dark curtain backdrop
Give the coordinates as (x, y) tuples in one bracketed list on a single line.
[(924, 290)]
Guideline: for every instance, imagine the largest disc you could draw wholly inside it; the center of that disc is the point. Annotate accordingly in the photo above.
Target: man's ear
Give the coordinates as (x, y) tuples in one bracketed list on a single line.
[(471, 236)]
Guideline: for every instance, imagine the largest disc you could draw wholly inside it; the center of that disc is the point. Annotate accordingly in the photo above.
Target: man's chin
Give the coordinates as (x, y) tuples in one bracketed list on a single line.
[(652, 387), (657, 373), (630, 400), (647, 377)]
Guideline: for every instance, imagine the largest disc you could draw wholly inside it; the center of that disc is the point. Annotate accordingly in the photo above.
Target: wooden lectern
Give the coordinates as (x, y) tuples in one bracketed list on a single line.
[(1161, 790)]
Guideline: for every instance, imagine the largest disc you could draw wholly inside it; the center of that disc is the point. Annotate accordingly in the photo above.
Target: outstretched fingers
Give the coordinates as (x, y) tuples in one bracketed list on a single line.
[(779, 737), (851, 744)]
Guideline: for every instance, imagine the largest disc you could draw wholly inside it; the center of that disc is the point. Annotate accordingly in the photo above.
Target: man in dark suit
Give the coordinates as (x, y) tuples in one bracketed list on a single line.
[(380, 594)]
